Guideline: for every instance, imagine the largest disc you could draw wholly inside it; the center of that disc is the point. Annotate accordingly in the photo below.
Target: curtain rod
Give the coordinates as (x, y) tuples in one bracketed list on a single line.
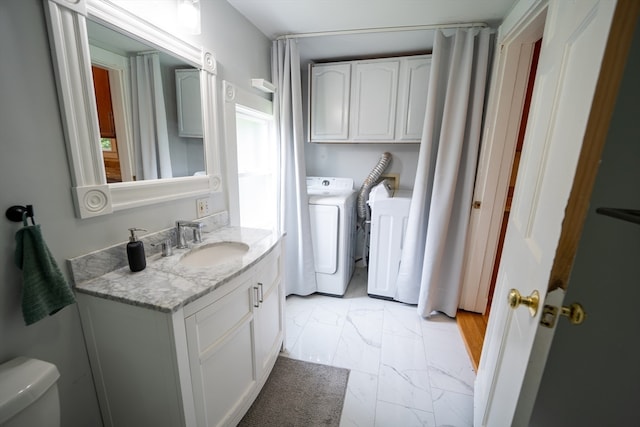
[(381, 30)]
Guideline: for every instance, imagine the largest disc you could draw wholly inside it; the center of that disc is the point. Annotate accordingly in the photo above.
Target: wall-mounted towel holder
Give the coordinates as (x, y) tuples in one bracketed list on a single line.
[(15, 213)]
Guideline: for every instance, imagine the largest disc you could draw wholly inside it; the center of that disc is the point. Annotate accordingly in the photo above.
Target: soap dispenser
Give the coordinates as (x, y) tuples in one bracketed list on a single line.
[(135, 251)]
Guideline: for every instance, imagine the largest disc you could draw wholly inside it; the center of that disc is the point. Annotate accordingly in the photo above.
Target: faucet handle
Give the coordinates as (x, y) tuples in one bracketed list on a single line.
[(197, 232), (165, 247)]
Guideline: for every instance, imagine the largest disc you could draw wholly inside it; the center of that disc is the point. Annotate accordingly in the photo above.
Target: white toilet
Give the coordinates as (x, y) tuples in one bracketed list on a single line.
[(29, 394)]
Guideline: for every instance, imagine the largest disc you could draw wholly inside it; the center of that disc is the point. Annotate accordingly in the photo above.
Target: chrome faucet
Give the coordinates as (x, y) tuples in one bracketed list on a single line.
[(180, 233)]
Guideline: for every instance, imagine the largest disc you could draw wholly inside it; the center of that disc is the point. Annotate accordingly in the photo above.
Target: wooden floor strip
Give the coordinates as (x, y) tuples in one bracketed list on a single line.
[(472, 327)]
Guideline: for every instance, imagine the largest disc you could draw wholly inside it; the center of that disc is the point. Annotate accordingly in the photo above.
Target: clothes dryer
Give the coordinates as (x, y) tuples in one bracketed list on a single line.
[(389, 215), (332, 208)]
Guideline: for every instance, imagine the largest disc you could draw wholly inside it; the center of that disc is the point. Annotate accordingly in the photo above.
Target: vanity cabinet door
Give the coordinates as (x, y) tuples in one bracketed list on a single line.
[(220, 344), (269, 313), (189, 104)]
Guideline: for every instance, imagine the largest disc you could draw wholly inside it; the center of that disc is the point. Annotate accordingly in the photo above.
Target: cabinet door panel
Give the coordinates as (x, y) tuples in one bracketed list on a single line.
[(269, 328), (330, 89), (229, 377), (412, 98), (221, 347), (374, 93), (269, 316), (269, 274), (189, 104)]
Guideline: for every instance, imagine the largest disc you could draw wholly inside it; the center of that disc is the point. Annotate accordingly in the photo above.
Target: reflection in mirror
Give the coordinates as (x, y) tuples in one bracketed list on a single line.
[(188, 155), (149, 109)]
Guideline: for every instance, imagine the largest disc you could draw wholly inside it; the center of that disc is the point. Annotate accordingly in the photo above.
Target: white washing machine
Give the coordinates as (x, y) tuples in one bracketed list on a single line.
[(389, 214), (332, 207)]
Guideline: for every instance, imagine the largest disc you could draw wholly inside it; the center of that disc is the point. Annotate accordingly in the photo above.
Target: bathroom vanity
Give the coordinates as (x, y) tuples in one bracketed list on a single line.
[(178, 345)]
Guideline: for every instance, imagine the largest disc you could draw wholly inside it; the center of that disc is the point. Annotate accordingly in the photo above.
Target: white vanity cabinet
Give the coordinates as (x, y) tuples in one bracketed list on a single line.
[(233, 342), (378, 100), (189, 103), (202, 365)]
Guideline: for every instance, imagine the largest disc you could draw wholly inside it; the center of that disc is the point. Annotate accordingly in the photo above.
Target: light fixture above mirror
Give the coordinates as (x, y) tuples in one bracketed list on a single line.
[(67, 20), (189, 15)]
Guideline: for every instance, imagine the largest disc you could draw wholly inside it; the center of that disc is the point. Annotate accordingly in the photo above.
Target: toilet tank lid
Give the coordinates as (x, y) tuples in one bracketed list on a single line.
[(22, 382)]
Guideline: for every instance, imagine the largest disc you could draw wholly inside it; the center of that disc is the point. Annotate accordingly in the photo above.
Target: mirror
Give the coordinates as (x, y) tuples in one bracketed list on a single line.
[(137, 86), (97, 41)]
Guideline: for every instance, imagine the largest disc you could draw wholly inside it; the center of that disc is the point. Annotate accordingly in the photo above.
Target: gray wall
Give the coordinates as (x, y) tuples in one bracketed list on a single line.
[(34, 170), (357, 160), (592, 376)]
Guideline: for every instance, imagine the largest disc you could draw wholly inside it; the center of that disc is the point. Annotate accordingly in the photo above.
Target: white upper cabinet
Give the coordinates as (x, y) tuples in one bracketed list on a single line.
[(380, 100), (373, 107), (331, 86), (189, 105), (412, 98)]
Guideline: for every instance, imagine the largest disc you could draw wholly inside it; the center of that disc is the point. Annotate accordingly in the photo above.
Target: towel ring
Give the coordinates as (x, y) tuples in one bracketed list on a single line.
[(15, 213)]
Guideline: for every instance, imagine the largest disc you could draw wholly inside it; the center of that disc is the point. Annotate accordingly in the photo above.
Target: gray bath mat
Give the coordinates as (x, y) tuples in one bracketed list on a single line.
[(299, 393)]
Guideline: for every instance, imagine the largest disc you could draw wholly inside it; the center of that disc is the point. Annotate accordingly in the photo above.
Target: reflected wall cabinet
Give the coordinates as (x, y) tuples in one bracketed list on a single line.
[(377, 100), (189, 105)]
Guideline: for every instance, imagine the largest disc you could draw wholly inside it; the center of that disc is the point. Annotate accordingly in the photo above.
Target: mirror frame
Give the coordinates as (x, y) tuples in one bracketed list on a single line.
[(66, 20)]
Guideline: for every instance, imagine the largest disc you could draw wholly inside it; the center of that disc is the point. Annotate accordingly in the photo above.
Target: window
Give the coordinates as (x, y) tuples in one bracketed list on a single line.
[(258, 166)]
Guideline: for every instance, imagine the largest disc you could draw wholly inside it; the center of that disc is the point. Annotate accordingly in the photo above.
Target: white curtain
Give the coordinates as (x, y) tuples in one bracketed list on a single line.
[(151, 140), (299, 266), (431, 262)]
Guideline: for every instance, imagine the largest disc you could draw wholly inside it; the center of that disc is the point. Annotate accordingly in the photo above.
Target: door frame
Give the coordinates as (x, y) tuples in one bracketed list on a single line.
[(516, 41)]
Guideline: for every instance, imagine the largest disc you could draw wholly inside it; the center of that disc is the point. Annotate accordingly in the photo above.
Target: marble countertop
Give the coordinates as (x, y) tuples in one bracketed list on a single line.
[(166, 285)]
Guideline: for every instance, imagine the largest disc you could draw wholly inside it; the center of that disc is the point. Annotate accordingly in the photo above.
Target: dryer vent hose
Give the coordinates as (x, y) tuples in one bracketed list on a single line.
[(369, 182)]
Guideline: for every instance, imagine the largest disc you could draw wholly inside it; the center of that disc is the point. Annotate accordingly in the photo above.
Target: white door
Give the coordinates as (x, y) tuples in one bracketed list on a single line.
[(515, 348)]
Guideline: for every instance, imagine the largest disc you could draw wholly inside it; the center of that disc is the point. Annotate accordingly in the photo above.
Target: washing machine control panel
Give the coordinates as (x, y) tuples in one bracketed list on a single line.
[(329, 185)]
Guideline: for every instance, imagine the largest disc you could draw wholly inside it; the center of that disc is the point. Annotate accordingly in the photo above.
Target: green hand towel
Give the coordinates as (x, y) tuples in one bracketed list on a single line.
[(44, 288)]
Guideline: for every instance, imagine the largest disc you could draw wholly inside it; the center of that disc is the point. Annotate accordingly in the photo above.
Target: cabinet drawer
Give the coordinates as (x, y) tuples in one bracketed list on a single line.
[(213, 323)]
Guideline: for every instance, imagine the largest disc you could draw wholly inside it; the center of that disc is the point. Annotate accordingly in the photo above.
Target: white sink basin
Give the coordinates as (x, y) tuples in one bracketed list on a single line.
[(214, 254)]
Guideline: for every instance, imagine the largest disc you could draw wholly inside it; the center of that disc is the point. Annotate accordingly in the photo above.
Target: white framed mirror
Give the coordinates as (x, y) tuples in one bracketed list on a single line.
[(83, 37)]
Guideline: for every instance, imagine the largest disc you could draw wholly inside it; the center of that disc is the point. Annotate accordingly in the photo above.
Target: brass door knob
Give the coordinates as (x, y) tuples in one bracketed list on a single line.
[(575, 313), (515, 299)]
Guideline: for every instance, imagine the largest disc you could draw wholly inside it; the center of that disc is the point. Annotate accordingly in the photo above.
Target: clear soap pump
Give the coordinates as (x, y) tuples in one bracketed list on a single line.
[(135, 251)]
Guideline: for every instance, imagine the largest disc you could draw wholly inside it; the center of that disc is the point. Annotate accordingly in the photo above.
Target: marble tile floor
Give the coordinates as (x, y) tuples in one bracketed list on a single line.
[(405, 370)]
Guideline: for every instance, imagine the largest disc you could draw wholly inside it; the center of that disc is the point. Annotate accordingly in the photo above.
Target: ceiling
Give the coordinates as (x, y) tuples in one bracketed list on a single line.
[(284, 17)]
